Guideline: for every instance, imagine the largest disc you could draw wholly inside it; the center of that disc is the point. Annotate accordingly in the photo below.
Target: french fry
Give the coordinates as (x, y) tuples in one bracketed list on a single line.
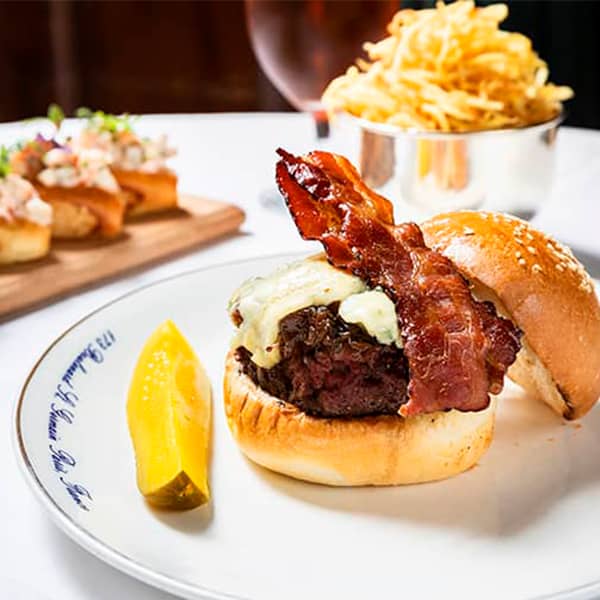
[(449, 69), (423, 157)]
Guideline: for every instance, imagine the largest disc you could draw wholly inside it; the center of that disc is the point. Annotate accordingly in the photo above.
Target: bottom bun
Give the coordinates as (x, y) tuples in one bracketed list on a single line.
[(21, 241), (376, 450)]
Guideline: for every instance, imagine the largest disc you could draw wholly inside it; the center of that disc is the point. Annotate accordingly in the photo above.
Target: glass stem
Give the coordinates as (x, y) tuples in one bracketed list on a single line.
[(321, 123)]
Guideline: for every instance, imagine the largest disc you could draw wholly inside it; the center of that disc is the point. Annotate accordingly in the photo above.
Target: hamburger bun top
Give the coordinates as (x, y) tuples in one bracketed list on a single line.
[(543, 289)]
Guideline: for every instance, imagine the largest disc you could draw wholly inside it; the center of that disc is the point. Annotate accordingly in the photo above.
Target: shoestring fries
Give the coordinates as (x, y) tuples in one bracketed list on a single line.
[(449, 68)]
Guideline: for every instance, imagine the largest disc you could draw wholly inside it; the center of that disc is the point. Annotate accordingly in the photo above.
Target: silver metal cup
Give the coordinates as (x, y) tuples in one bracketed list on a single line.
[(423, 173)]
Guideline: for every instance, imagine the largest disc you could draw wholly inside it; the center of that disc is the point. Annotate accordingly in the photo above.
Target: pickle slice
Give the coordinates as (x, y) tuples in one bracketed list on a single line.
[(169, 412)]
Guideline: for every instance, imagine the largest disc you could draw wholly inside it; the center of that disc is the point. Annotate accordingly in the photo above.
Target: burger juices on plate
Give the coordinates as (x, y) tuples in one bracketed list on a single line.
[(375, 363)]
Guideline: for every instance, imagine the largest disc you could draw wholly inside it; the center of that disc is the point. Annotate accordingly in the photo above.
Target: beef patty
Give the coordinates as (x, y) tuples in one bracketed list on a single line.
[(330, 368)]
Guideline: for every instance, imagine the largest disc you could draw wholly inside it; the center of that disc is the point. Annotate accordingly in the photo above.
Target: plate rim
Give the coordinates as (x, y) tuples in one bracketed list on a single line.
[(109, 554), (83, 537)]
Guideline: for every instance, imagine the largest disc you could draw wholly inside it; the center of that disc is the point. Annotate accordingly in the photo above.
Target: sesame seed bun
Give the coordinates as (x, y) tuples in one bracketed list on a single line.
[(543, 289), (377, 450)]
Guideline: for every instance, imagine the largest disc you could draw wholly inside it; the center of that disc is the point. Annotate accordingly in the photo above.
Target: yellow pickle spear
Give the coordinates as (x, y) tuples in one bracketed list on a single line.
[(169, 412)]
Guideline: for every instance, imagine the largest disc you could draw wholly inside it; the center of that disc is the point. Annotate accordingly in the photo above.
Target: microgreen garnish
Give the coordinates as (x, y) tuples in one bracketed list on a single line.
[(4, 162), (106, 122), (55, 115)]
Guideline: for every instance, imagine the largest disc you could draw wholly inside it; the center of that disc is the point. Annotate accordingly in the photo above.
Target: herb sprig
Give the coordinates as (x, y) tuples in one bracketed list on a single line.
[(56, 115), (4, 162), (102, 121)]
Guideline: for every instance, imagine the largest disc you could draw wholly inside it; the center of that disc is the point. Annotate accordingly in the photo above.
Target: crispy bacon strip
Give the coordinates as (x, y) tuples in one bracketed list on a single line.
[(457, 349)]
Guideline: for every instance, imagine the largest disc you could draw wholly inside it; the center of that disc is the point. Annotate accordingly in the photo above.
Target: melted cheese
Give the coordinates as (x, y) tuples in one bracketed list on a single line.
[(375, 312), (263, 302)]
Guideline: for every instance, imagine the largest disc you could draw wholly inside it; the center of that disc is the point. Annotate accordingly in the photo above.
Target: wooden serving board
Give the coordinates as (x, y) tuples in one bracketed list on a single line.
[(74, 265)]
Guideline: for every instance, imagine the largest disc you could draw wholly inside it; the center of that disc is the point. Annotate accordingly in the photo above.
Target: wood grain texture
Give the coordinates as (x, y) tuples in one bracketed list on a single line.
[(75, 265)]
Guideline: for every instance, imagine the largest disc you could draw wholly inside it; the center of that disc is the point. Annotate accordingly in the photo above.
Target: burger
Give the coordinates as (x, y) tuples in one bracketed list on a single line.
[(379, 361)]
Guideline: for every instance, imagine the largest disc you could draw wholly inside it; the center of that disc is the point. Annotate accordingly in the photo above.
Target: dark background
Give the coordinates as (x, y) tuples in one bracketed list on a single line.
[(195, 56)]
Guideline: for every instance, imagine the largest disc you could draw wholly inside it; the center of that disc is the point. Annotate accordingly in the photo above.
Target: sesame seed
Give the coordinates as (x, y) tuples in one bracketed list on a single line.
[(518, 254), (559, 267), (522, 262), (536, 268), (531, 249)]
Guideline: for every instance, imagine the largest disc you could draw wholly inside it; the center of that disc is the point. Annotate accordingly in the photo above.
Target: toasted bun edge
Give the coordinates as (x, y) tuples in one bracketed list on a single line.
[(376, 450)]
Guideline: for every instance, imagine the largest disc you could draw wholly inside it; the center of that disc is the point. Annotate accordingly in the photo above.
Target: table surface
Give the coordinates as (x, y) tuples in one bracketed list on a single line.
[(229, 157)]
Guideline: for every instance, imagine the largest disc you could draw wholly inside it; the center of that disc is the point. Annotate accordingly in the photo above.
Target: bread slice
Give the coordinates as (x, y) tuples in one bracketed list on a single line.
[(22, 240), (82, 211), (147, 192)]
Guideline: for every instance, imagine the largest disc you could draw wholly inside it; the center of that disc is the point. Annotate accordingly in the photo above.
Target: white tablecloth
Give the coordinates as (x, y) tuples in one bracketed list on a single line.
[(228, 156)]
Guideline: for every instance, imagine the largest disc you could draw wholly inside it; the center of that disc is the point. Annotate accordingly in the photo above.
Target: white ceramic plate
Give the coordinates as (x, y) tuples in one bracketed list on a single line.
[(524, 523)]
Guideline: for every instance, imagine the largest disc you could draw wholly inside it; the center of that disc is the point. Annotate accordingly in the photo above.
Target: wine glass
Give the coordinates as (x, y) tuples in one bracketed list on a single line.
[(302, 45)]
